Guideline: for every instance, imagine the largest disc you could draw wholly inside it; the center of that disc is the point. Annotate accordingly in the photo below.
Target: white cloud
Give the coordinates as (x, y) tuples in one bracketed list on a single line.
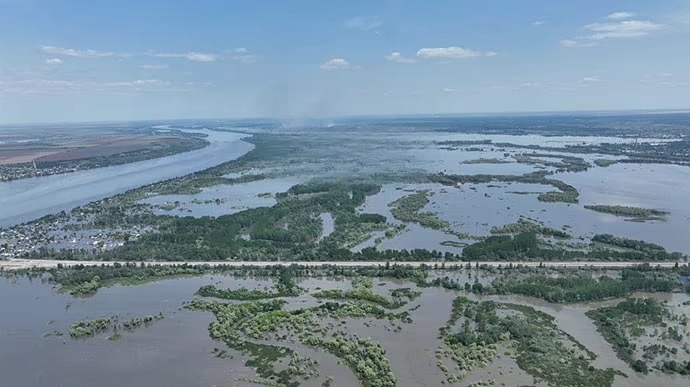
[(192, 56), (364, 23), (154, 66), (448, 90), (75, 53), (570, 43), (397, 57), (592, 78), (451, 53), (623, 29), (337, 64), (665, 75), (620, 15), (54, 61), (539, 23)]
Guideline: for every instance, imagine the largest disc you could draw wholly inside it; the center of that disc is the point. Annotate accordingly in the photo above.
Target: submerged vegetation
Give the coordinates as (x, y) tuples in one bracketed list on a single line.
[(285, 287), (515, 279), (525, 245), (580, 289), (486, 161), (523, 225), (605, 162), (639, 246), (240, 325), (242, 294), (89, 328), (362, 291), (567, 193), (566, 163), (407, 209), (476, 334), (646, 334), (569, 285), (476, 330)]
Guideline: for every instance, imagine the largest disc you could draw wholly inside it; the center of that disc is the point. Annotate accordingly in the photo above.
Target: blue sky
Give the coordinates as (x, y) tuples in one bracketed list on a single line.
[(68, 60)]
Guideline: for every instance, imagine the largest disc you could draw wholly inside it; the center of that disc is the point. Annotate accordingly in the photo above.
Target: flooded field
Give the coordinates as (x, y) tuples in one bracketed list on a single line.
[(178, 351), (223, 199), (394, 158), (476, 208)]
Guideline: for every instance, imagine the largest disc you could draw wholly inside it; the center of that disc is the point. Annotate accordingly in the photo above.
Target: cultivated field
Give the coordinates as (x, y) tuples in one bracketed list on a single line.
[(78, 149)]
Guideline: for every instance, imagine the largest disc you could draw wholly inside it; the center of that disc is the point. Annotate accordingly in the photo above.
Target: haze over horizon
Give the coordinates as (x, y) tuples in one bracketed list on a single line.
[(75, 61)]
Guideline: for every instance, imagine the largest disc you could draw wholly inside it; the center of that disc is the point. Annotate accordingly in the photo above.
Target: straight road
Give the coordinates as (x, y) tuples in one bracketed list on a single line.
[(18, 264)]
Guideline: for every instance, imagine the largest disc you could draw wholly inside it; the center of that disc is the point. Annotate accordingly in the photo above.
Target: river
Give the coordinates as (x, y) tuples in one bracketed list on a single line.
[(28, 199)]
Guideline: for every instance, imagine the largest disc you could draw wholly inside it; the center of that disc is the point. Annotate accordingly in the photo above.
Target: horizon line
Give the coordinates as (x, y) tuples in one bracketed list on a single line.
[(371, 116)]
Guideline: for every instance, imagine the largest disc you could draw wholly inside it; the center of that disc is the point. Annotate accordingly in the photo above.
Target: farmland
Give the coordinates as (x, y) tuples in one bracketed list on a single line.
[(25, 153)]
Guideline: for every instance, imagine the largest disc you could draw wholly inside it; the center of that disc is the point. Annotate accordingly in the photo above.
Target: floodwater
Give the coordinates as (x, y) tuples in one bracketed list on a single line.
[(28, 199), (328, 224), (572, 320), (476, 208), (231, 198), (176, 351)]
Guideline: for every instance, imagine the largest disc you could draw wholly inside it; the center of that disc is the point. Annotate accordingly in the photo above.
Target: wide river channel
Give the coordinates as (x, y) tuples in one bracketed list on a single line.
[(27, 199)]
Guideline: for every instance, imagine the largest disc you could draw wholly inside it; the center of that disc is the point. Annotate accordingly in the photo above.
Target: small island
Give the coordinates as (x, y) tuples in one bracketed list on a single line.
[(482, 160), (637, 214)]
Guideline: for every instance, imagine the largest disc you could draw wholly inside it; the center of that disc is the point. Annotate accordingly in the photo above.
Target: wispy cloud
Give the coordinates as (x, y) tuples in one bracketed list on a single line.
[(617, 29), (192, 56), (54, 61), (44, 86), (136, 83), (663, 80), (623, 29), (337, 64), (399, 58), (539, 23), (75, 53), (571, 43), (527, 85), (567, 85), (448, 90), (451, 53), (364, 23), (620, 15), (154, 66)]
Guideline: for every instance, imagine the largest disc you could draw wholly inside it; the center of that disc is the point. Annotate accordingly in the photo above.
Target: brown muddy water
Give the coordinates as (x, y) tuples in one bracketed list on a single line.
[(177, 350)]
